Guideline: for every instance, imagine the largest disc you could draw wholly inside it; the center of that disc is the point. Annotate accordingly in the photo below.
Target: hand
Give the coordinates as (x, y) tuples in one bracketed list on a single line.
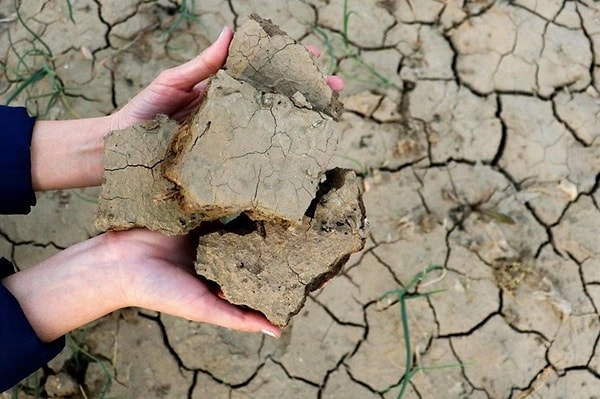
[(176, 91), (120, 269), (156, 272), (77, 161)]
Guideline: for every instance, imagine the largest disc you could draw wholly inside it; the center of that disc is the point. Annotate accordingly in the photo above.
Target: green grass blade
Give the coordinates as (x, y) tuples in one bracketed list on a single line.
[(37, 76), (347, 15), (28, 29), (407, 349), (79, 349), (382, 79), (329, 48), (70, 10)]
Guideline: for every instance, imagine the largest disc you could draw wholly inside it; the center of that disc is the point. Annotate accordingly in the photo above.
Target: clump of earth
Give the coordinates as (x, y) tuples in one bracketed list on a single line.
[(252, 164)]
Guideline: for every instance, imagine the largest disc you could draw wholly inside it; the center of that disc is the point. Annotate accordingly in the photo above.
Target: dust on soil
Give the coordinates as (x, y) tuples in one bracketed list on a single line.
[(474, 127)]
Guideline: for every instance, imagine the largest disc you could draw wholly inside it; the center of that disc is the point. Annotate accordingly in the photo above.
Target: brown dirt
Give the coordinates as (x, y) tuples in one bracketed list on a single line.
[(474, 127)]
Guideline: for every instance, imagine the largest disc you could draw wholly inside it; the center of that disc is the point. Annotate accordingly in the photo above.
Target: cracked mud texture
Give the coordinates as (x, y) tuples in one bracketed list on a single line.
[(272, 268), (265, 159), (267, 58), (268, 156), (134, 191), (474, 128)]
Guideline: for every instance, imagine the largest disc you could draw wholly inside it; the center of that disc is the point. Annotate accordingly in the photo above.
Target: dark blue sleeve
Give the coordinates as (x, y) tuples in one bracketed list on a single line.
[(21, 351), (16, 128)]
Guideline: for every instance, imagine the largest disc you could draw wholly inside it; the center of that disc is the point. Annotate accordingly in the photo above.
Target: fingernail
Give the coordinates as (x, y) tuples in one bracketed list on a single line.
[(269, 333), (222, 32)]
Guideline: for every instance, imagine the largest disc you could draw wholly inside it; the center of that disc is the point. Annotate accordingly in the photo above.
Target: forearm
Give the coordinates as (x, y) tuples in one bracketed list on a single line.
[(68, 154), (66, 291)]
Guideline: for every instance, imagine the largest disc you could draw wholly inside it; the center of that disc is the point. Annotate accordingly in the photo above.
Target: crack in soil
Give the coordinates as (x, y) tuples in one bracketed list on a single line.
[(426, 162)]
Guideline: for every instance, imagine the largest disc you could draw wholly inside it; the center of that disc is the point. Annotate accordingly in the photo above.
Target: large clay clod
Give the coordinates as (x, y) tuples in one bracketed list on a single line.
[(263, 55), (250, 151), (134, 192), (274, 268), (262, 134), (255, 153)]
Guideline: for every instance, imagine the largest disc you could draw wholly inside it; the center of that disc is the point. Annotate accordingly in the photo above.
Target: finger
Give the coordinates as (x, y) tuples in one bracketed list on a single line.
[(199, 90), (151, 238), (335, 82), (218, 311), (188, 75), (172, 290), (314, 50)]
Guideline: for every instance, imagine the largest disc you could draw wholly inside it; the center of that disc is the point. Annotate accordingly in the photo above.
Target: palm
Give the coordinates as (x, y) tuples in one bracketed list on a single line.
[(157, 274)]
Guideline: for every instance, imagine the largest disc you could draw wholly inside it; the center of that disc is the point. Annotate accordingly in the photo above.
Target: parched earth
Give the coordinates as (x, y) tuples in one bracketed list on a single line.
[(474, 126)]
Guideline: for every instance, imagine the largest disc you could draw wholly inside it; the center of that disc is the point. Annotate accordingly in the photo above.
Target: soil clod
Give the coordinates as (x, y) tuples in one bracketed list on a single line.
[(253, 161)]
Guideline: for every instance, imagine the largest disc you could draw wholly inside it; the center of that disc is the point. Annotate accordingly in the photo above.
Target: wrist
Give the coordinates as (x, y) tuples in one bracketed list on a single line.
[(68, 290), (68, 154)]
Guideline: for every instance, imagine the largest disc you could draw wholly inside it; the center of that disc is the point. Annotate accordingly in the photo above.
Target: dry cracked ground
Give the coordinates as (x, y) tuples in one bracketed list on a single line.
[(474, 126)]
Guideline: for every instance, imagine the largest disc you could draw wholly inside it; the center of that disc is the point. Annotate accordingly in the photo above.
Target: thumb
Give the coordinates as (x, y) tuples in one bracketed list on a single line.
[(187, 75)]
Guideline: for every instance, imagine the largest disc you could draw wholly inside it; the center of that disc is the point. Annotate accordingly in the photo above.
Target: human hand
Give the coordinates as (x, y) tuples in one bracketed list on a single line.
[(156, 272), (175, 92), (119, 269)]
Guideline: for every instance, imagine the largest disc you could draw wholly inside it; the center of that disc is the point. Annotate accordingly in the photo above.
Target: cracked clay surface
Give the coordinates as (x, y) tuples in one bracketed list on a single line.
[(473, 127)]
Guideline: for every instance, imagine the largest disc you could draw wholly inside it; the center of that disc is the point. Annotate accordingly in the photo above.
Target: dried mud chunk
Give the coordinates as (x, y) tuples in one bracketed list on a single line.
[(134, 191), (263, 55), (272, 269), (248, 151)]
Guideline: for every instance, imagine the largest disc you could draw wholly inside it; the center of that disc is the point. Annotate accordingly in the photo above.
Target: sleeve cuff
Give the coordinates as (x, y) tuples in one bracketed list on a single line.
[(16, 192), (21, 351)]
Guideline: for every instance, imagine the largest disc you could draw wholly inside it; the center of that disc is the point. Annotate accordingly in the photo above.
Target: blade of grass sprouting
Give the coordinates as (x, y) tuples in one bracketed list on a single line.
[(372, 70), (28, 29), (424, 294), (19, 57), (444, 366), (328, 47), (51, 101), (52, 97), (403, 295), (345, 24), (180, 16), (347, 15), (407, 348), (183, 14), (29, 53), (500, 217), (79, 348), (417, 278), (70, 10), (37, 76)]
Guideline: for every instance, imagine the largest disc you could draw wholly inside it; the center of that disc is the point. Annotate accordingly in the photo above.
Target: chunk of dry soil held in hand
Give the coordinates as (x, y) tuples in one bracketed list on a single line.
[(261, 139), (251, 151), (270, 60), (272, 268), (134, 191), (256, 151)]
